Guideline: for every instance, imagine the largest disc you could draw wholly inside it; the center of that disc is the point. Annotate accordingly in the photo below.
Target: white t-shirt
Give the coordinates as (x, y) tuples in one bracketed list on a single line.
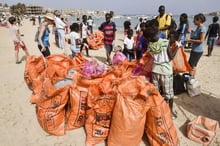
[(129, 43), (74, 37), (84, 30), (90, 22), (14, 29), (59, 23)]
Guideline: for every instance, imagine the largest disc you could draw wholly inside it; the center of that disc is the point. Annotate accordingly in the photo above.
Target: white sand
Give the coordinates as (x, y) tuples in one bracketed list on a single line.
[(18, 122)]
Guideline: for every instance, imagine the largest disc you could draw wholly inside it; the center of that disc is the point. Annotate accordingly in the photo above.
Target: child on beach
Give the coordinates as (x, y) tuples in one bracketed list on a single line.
[(16, 36), (74, 39), (141, 45), (197, 39), (212, 33), (162, 72), (129, 50), (84, 32), (90, 24), (109, 29)]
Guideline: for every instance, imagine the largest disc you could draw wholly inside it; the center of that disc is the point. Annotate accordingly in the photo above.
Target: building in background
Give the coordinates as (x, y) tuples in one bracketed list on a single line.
[(34, 10)]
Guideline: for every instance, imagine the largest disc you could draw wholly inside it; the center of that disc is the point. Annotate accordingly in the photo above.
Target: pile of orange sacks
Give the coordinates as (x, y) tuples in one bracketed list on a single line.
[(116, 106)]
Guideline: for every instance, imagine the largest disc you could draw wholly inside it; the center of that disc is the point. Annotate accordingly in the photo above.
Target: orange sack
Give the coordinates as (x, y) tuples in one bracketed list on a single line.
[(50, 89), (77, 106), (95, 40), (128, 120), (160, 128), (101, 102), (180, 62), (51, 108), (34, 75)]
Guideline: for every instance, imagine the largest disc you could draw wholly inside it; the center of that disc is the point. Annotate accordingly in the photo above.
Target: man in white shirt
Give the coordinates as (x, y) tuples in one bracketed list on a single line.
[(60, 27)]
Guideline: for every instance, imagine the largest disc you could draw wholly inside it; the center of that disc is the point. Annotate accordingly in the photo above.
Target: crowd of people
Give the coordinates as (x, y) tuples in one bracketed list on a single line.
[(156, 36)]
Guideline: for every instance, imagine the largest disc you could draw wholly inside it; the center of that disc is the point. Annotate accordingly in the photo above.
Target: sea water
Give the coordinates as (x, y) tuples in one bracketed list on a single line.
[(119, 20)]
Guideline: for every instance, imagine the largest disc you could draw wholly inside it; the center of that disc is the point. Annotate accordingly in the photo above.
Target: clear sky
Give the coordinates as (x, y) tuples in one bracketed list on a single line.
[(128, 6)]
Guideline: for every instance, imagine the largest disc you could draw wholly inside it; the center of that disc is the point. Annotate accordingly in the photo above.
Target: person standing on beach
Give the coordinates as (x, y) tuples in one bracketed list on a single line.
[(137, 27), (39, 19), (60, 27), (197, 39), (129, 49), (141, 45), (74, 39), (127, 25), (162, 71), (84, 32), (164, 20), (182, 28), (154, 23), (109, 29), (90, 24), (112, 14), (212, 34), (44, 32), (16, 37)]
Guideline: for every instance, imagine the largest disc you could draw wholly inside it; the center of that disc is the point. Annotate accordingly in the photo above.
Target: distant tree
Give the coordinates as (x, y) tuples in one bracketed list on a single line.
[(5, 5), (18, 9)]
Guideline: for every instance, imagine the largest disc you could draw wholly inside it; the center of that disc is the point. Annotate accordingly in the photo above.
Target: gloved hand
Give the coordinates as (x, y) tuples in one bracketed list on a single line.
[(178, 44)]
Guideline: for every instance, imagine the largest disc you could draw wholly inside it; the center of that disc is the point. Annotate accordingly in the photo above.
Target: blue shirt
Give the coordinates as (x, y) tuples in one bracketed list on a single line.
[(162, 35), (182, 32), (197, 47), (45, 37)]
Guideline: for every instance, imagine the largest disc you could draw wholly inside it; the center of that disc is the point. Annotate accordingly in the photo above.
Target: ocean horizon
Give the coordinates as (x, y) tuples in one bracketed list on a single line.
[(119, 20)]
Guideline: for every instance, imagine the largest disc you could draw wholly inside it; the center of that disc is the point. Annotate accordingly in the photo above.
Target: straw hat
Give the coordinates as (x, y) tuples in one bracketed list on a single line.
[(49, 16)]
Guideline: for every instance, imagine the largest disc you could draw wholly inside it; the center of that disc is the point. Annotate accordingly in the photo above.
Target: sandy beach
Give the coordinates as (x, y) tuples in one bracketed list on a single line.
[(18, 121)]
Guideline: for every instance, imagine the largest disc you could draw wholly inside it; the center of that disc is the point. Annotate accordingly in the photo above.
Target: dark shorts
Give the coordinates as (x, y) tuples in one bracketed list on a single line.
[(194, 58), (211, 41), (45, 53), (108, 48)]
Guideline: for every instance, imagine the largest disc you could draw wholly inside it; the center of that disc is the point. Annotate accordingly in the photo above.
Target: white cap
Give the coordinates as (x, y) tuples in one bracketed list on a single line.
[(129, 18)]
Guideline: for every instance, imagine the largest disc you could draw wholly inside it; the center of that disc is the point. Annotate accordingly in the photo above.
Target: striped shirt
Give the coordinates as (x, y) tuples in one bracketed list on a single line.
[(109, 32)]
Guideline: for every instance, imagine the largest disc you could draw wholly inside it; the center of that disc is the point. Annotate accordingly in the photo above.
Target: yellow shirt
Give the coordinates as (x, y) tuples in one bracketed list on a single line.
[(164, 21)]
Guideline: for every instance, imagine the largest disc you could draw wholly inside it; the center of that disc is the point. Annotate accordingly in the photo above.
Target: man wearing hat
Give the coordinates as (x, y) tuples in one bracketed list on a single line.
[(60, 27), (164, 20)]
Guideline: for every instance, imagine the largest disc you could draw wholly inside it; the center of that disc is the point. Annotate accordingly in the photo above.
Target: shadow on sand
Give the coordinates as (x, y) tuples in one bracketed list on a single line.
[(101, 59), (206, 105)]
